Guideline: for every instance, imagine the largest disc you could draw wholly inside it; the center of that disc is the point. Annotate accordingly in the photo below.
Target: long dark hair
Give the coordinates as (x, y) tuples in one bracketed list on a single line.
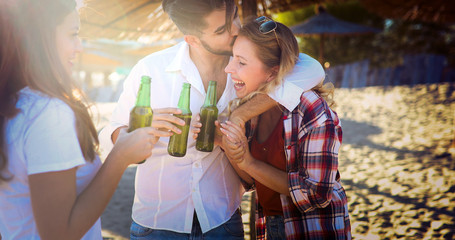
[(29, 57)]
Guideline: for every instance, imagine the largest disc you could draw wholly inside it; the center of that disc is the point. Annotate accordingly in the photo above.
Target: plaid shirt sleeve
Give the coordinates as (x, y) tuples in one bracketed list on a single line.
[(313, 147)]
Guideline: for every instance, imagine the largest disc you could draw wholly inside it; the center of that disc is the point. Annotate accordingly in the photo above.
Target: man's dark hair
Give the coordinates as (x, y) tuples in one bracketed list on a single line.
[(189, 15)]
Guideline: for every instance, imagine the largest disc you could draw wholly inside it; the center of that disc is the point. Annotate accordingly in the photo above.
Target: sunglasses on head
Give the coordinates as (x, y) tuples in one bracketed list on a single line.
[(267, 25)]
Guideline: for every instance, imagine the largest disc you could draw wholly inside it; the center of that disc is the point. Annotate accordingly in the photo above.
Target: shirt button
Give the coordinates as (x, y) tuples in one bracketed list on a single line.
[(196, 165), (289, 147), (285, 117)]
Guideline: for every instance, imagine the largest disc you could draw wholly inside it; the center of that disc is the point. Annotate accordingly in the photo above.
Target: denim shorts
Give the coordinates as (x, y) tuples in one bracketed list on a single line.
[(275, 227), (230, 230)]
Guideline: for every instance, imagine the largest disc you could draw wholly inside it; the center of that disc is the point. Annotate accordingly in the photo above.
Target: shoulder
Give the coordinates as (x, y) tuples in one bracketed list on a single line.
[(314, 110), (39, 116), (34, 104), (311, 102)]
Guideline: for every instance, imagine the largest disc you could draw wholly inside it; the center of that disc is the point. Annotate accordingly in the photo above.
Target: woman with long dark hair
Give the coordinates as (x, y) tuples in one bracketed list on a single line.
[(52, 182)]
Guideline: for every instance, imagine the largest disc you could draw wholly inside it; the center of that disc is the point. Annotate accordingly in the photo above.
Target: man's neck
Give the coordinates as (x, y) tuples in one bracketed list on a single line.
[(211, 68)]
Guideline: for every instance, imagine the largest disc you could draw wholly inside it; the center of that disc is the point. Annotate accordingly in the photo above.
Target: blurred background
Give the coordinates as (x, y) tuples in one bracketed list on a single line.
[(393, 66)]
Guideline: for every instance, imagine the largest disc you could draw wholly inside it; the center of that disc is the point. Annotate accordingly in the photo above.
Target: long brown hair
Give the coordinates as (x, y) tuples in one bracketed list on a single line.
[(29, 57), (278, 48)]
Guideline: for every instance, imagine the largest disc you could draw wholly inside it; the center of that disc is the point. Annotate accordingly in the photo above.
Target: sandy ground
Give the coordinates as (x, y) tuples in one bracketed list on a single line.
[(397, 164)]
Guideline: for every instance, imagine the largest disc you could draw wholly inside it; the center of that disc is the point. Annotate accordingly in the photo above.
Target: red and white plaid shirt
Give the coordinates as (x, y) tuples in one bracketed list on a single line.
[(317, 208)]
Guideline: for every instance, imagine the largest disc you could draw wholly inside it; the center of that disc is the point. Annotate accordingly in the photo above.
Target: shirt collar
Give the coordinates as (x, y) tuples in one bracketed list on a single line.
[(181, 59)]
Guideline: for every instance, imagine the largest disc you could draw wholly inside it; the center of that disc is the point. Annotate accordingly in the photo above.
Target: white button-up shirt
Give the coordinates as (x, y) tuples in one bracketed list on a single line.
[(169, 189)]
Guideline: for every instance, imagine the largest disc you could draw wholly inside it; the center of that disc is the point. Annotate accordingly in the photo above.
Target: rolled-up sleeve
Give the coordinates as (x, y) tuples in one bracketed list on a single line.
[(311, 186)]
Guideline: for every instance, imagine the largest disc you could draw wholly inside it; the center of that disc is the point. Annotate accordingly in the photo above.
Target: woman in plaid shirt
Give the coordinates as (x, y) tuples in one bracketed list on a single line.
[(290, 155)]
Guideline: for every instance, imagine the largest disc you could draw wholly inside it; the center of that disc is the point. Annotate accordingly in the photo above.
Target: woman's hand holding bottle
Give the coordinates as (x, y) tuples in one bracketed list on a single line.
[(133, 147)]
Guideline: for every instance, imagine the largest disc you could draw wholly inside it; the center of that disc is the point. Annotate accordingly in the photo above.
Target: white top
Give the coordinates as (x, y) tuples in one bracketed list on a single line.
[(170, 189), (41, 138)]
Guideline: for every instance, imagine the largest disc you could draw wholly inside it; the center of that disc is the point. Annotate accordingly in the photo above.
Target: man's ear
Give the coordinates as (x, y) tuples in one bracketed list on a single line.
[(191, 40), (273, 73)]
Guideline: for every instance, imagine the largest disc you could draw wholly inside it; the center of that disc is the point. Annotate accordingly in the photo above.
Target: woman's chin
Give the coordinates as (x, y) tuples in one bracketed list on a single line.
[(240, 94), (240, 91), (69, 69)]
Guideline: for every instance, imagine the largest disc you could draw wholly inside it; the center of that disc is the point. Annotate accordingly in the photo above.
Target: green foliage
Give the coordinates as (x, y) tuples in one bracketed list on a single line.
[(383, 49), (291, 18), (404, 37)]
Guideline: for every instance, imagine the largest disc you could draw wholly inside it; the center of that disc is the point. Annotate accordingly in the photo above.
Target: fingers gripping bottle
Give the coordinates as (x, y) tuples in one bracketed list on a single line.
[(141, 114), (178, 142), (208, 113)]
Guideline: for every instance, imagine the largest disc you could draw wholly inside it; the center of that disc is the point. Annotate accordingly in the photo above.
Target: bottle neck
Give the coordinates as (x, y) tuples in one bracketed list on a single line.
[(210, 99), (143, 97), (184, 100)]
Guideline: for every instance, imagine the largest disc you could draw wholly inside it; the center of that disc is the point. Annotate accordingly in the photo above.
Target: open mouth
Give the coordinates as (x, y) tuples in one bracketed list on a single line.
[(238, 84)]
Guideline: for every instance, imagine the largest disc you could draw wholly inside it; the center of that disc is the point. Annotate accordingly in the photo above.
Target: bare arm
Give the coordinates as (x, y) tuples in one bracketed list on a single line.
[(266, 174), (252, 108), (246, 165), (59, 212), (62, 214), (307, 73)]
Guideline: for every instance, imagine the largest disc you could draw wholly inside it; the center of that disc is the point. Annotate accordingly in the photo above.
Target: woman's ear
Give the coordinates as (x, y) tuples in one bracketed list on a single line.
[(191, 40), (273, 73)]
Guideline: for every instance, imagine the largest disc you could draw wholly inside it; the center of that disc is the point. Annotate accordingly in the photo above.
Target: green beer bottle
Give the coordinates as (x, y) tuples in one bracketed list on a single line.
[(178, 142), (141, 114), (208, 113)]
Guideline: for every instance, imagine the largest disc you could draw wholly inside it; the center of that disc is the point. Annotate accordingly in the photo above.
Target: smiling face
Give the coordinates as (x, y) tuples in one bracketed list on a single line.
[(67, 39), (247, 72)]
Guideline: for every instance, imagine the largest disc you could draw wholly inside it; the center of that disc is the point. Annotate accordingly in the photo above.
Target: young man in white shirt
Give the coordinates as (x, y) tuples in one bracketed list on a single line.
[(198, 194)]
